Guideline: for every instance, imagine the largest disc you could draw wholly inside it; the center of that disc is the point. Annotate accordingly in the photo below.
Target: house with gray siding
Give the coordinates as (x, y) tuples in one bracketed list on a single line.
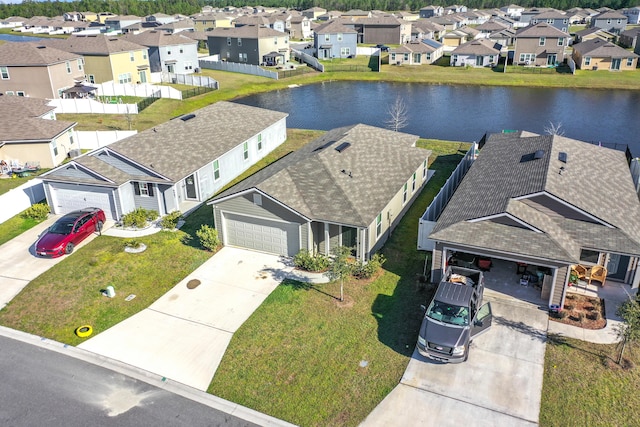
[(173, 166), (250, 44), (168, 53), (349, 187), (529, 199), (334, 40), (610, 20), (553, 17)]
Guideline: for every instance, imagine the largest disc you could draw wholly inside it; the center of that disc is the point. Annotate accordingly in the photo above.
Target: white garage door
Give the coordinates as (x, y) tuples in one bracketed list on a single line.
[(66, 200), (261, 234)]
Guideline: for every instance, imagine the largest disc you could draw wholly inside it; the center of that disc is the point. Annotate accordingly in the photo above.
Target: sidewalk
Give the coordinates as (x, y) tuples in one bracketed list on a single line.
[(613, 294)]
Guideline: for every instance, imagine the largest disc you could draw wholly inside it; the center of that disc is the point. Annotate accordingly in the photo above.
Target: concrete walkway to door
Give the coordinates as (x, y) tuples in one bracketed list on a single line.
[(185, 333)]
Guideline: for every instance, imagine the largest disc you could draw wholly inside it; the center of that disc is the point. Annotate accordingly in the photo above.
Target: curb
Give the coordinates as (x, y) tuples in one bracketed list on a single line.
[(174, 387)]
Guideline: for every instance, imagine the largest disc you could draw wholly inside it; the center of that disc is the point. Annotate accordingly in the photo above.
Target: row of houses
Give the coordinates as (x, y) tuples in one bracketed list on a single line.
[(528, 210)]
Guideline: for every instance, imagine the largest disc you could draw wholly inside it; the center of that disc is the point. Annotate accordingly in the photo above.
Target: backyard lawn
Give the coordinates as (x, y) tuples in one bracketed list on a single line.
[(307, 359)]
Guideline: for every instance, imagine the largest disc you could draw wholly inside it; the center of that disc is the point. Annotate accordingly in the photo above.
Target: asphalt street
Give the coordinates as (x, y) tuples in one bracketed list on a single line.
[(44, 387)]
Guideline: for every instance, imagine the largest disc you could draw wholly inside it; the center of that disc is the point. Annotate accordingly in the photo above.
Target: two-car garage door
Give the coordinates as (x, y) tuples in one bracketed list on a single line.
[(67, 198), (263, 235)]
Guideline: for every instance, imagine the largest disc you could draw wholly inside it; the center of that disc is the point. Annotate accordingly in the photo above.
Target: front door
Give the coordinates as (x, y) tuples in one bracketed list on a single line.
[(617, 266), (143, 77), (479, 61), (552, 59), (190, 187), (615, 63)]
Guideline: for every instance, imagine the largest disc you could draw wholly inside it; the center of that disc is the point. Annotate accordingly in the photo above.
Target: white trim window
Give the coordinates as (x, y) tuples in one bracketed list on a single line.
[(228, 41), (587, 60), (560, 41), (629, 62), (542, 41), (339, 37), (242, 57), (327, 37), (259, 142), (424, 170), (245, 151), (413, 183), (404, 193), (124, 78), (379, 225), (80, 64), (132, 56), (68, 65), (216, 170), (239, 41), (345, 51)]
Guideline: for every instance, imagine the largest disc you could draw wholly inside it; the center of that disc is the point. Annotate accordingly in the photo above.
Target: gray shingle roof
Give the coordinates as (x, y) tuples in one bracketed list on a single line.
[(246, 31), (540, 30), (333, 27), (20, 120), (97, 44), (348, 187), (478, 47), (595, 180), (32, 54), (602, 49), (155, 38), (177, 148)]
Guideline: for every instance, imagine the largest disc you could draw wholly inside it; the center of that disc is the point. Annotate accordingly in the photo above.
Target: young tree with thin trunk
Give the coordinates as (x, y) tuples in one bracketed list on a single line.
[(554, 129), (340, 267), (629, 330), (397, 115)]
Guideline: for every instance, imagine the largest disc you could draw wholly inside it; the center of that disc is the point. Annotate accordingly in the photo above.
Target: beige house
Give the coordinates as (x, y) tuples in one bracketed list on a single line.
[(29, 133), (541, 45), (30, 69), (108, 58), (598, 54), (416, 53), (211, 21)]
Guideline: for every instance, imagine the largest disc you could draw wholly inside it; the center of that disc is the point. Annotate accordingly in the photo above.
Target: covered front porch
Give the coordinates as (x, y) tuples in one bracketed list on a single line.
[(326, 237)]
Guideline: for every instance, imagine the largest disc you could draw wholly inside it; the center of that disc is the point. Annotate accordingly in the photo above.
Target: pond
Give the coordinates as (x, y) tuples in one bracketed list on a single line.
[(462, 113), (14, 38)]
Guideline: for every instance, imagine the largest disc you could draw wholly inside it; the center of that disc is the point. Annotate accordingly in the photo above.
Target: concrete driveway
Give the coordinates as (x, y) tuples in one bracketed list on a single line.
[(500, 384), (19, 264), (184, 334)]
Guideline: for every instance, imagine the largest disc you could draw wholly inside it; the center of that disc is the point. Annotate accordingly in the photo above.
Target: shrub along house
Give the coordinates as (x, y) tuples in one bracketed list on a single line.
[(544, 201), (173, 166), (349, 187)]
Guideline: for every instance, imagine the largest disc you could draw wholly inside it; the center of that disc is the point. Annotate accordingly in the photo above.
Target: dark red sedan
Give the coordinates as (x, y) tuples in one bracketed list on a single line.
[(68, 231)]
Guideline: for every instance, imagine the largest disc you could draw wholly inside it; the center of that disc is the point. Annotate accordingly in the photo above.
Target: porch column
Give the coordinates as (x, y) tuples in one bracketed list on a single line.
[(326, 239)]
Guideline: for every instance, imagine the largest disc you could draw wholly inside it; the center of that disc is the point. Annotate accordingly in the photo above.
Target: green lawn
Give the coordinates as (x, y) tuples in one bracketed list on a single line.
[(15, 226), (584, 387), (68, 295), (298, 356)]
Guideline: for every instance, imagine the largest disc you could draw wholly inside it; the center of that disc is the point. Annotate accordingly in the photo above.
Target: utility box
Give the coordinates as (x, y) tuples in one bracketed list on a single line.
[(110, 291)]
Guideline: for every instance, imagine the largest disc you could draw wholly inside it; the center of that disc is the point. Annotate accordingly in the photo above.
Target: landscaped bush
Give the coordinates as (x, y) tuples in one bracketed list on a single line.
[(208, 237), (366, 270), (38, 212), (139, 217), (170, 221), (305, 260)]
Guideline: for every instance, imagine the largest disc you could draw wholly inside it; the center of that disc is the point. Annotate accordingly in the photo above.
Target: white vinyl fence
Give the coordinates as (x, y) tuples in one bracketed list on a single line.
[(91, 106), (90, 140), (143, 90), (235, 67), (20, 198)]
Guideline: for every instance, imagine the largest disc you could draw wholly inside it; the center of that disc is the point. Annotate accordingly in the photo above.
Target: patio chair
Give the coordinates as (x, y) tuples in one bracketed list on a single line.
[(598, 273), (581, 271)]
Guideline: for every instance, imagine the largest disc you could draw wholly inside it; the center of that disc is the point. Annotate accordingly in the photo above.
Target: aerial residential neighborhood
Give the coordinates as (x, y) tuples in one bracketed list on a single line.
[(312, 216)]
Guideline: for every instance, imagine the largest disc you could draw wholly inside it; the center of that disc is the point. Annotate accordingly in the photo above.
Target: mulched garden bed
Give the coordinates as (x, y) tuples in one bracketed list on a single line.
[(582, 311)]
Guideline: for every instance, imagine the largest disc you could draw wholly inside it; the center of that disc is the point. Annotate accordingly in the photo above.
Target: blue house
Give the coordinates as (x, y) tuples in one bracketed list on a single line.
[(334, 40)]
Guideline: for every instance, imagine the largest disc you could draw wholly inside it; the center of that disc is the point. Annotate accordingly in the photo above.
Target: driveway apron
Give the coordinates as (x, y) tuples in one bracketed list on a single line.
[(184, 334), (19, 264), (500, 384)]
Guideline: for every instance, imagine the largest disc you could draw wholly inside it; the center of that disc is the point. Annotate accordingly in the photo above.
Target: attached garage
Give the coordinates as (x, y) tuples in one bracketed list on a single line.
[(70, 197), (282, 238)]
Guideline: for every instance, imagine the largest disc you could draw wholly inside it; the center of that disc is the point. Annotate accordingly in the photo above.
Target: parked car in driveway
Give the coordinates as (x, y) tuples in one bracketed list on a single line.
[(68, 231), (382, 47), (455, 316)]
